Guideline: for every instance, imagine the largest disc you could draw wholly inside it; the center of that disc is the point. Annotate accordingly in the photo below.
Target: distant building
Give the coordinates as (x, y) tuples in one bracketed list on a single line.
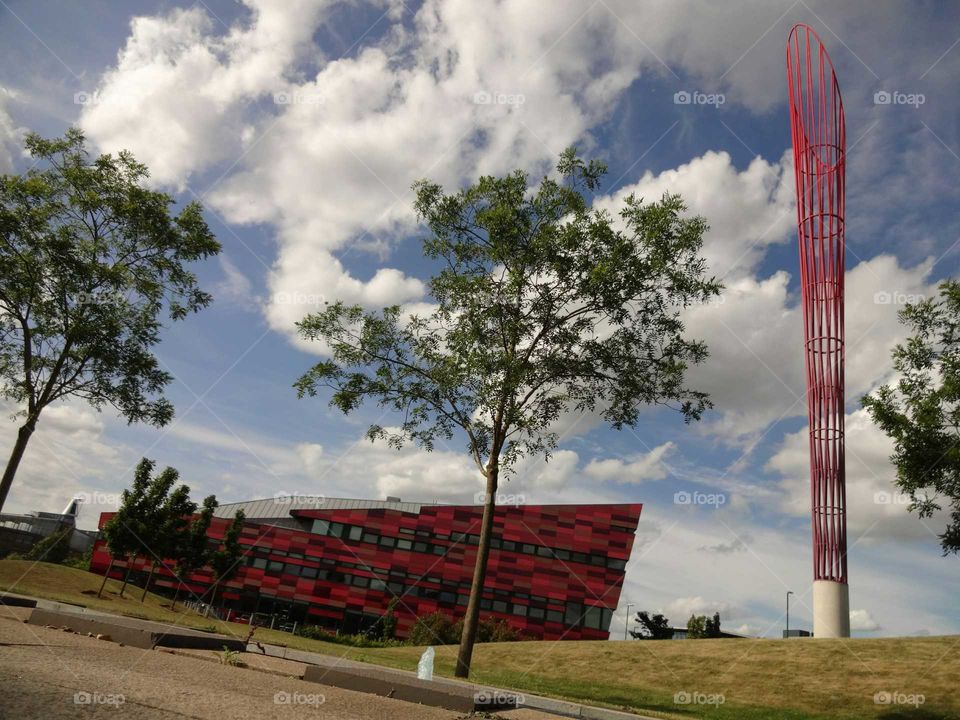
[(554, 571), (797, 633), (19, 533), (680, 633)]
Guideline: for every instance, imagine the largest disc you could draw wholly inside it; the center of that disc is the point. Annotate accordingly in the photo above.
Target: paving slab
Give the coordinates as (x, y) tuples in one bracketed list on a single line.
[(134, 632)]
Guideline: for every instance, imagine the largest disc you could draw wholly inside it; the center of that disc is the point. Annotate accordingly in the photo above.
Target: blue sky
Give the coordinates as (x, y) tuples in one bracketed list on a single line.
[(301, 126)]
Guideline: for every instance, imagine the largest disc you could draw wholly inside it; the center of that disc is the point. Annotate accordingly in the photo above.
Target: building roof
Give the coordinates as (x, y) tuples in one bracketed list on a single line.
[(281, 506)]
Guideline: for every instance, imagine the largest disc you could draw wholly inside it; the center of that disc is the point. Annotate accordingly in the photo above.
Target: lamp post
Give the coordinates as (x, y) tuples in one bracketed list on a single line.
[(626, 622), (789, 593)]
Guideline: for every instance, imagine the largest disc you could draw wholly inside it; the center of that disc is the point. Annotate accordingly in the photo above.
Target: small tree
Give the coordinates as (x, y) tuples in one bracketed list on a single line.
[(696, 627), (542, 306), (226, 559), (922, 413), (89, 258), (712, 626), (54, 548), (195, 551), (388, 628), (122, 531), (655, 627), (171, 528)]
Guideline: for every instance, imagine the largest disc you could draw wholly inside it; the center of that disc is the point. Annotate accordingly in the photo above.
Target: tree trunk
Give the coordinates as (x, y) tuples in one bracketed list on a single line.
[(23, 437), (105, 577), (470, 620), (176, 595), (146, 587), (126, 574)]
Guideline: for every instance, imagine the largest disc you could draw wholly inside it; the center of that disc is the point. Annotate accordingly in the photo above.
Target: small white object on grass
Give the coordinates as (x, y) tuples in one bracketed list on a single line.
[(425, 666)]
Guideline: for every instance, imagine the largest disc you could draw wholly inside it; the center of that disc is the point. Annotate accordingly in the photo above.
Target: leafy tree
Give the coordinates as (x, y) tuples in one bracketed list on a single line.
[(195, 551), (437, 628), (226, 559), (542, 306), (712, 626), (921, 414), (170, 529), (696, 627), (121, 531), (53, 549), (655, 627), (89, 258), (388, 627)]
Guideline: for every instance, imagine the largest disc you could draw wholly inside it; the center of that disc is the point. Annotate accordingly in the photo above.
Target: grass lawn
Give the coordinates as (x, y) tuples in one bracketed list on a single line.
[(758, 679)]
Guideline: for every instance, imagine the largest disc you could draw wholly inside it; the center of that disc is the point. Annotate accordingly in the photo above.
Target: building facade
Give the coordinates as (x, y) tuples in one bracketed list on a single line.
[(554, 571)]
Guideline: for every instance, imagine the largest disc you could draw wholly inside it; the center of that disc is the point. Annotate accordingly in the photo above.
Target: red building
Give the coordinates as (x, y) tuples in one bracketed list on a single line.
[(555, 571)]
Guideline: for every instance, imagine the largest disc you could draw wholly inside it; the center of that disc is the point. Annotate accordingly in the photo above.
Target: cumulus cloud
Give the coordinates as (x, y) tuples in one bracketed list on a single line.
[(647, 466), (862, 620)]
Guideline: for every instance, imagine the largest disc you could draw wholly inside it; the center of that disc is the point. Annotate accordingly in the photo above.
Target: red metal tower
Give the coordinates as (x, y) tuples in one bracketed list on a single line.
[(819, 153)]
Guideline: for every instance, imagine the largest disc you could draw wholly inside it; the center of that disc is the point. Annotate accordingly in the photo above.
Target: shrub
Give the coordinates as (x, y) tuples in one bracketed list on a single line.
[(53, 548), (434, 629)]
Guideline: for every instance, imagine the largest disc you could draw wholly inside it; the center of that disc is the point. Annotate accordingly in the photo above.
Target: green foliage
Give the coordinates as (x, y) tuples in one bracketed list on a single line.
[(655, 627), (437, 628), (701, 626), (315, 632), (696, 627), (194, 552), (921, 413), (89, 260), (225, 560), (388, 624), (123, 530), (80, 561), (54, 548), (542, 306), (230, 657)]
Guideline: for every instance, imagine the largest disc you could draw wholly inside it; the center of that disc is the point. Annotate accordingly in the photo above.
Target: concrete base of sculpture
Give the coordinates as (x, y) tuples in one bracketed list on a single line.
[(831, 609)]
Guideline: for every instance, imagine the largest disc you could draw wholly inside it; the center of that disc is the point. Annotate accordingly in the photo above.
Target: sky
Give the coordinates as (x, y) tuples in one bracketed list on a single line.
[(301, 126)]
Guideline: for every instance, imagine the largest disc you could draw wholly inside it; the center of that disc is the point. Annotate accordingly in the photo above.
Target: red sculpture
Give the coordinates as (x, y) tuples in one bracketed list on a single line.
[(819, 152)]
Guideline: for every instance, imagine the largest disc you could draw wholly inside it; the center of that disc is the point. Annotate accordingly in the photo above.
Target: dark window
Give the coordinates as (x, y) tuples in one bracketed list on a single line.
[(495, 543), (438, 549), (605, 620), (407, 531), (499, 606), (544, 552), (275, 566), (420, 547), (554, 616), (388, 541), (572, 616), (371, 537), (520, 610), (422, 533), (593, 617), (433, 579), (473, 539), (322, 574), (355, 533), (485, 604), (616, 564), (360, 581), (579, 557), (563, 554), (404, 544), (537, 613), (509, 545), (321, 527), (259, 562), (395, 587), (378, 584), (448, 597), (292, 569), (528, 549), (336, 529), (308, 572), (462, 599), (598, 560)]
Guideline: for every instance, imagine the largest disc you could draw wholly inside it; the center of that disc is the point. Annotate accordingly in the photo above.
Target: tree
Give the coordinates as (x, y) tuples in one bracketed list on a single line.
[(655, 627), (121, 531), (542, 306), (712, 626), (170, 529), (195, 552), (225, 560), (54, 548), (89, 258), (696, 627), (921, 414)]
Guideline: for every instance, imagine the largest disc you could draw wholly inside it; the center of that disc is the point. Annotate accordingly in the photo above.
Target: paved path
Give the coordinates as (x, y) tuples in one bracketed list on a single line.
[(51, 674)]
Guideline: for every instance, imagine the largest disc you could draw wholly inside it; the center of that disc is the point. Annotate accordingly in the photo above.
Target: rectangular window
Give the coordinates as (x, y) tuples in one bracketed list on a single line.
[(387, 541), (404, 544), (528, 549), (544, 552), (616, 564), (360, 581), (321, 527), (420, 547), (371, 537), (438, 549), (605, 619), (395, 587), (336, 529), (554, 616), (598, 560), (537, 613), (579, 557), (355, 533), (485, 604), (499, 606), (520, 610), (593, 617), (275, 566), (562, 554), (260, 563), (308, 572), (378, 584), (509, 545), (573, 613), (462, 599), (448, 597), (292, 569)]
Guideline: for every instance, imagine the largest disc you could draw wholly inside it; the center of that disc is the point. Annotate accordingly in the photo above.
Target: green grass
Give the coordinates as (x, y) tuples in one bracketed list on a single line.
[(759, 679)]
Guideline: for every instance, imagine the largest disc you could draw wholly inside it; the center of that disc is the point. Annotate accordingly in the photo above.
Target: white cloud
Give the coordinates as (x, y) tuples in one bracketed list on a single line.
[(863, 621), (647, 466), (11, 136)]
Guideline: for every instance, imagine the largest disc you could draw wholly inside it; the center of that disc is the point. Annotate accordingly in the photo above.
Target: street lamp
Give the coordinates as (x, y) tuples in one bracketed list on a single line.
[(789, 593), (626, 622)]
